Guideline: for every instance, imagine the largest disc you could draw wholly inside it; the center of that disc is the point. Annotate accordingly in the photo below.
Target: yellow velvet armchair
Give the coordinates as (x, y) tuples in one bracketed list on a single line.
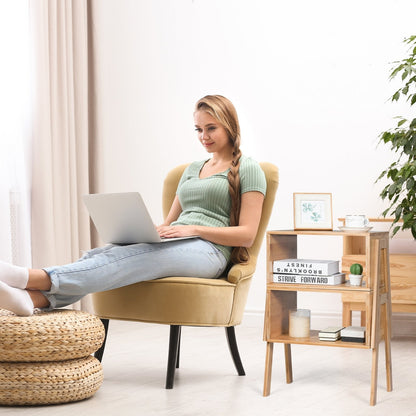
[(178, 301)]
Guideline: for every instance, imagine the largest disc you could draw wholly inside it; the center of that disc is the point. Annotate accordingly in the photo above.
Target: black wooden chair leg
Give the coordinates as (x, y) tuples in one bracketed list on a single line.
[(100, 352), (174, 338), (179, 347), (232, 344)]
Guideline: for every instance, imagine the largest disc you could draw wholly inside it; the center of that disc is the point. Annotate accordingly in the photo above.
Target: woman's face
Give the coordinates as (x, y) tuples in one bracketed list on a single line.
[(211, 133)]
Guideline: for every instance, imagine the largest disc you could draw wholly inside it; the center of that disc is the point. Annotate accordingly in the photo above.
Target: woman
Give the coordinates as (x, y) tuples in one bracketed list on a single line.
[(219, 200)]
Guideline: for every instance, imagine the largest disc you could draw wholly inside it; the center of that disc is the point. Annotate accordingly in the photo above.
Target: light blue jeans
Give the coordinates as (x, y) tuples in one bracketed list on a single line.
[(114, 266)]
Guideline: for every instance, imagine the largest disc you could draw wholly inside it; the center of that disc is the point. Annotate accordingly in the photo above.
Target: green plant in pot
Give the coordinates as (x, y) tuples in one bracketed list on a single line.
[(400, 190), (356, 274)]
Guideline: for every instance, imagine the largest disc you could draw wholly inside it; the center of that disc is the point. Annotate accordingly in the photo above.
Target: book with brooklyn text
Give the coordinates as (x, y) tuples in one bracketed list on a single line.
[(306, 267), (334, 279)]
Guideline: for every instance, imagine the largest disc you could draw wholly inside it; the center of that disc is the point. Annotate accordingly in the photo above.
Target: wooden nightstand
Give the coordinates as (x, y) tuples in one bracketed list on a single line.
[(374, 296)]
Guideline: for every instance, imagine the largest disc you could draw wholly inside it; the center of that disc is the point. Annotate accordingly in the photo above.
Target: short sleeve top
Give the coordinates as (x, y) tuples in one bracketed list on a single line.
[(207, 202)]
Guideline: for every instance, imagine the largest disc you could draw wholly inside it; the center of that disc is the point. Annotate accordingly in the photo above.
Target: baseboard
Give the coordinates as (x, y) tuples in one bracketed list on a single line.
[(402, 325)]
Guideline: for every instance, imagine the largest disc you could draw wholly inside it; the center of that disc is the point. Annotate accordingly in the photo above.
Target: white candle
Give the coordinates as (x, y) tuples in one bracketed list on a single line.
[(299, 323)]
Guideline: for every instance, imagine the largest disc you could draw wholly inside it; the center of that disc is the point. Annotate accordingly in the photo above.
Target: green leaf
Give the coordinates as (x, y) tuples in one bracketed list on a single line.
[(395, 230), (398, 212), (392, 174), (410, 184), (406, 218), (401, 122), (381, 175), (392, 189), (395, 71), (396, 96), (413, 100), (407, 148)]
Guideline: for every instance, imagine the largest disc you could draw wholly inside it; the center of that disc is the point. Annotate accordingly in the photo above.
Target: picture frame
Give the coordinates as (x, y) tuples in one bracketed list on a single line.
[(312, 211)]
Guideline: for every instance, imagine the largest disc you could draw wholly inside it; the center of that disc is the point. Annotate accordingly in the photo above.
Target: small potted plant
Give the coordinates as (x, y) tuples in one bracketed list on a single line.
[(356, 274)]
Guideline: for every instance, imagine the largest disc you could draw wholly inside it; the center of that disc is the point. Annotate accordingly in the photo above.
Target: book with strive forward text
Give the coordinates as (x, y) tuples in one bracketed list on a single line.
[(334, 279), (306, 267)]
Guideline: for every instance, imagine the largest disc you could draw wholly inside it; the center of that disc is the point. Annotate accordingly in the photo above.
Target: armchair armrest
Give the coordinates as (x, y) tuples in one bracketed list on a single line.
[(241, 271)]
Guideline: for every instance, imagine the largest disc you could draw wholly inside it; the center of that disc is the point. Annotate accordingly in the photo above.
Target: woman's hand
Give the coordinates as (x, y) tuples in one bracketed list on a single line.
[(173, 231), (242, 235)]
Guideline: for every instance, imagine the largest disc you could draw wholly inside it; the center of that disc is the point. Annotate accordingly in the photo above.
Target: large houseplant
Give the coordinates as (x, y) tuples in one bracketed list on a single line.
[(400, 190)]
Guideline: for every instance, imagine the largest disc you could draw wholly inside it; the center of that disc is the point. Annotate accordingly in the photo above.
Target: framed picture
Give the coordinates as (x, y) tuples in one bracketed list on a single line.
[(312, 211)]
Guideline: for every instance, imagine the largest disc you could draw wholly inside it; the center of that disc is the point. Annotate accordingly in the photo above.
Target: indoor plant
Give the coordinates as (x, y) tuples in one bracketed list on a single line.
[(356, 274), (401, 174)]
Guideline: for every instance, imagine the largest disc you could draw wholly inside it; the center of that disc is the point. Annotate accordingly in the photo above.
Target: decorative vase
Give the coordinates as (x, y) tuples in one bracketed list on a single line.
[(356, 279)]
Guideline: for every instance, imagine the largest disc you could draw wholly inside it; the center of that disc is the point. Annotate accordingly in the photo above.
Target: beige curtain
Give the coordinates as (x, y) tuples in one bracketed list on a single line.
[(61, 131)]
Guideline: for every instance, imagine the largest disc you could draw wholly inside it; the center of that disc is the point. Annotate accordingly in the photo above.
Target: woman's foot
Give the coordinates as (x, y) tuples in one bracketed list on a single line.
[(14, 276), (15, 300)]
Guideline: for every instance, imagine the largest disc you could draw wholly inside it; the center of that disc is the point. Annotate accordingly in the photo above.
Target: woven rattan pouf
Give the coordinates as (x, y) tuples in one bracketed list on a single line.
[(46, 358)]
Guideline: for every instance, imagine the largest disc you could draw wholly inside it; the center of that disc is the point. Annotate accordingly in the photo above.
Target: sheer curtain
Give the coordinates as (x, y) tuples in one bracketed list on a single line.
[(61, 130), (15, 99), (44, 44)]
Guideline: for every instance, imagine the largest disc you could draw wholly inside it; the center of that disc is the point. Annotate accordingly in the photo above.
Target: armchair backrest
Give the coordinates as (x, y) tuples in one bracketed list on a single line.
[(272, 178)]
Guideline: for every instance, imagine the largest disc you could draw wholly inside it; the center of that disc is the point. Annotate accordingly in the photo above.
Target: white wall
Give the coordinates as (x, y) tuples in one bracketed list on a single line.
[(308, 78)]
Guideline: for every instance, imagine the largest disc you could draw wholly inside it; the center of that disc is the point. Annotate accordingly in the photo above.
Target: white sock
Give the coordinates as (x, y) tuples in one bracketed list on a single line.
[(15, 300), (14, 276)]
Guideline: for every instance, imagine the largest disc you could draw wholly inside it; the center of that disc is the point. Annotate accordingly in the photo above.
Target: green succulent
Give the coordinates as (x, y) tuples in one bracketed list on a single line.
[(356, 268)]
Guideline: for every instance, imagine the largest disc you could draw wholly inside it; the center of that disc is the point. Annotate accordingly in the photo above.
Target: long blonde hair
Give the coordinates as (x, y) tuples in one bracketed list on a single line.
[(224, 112)]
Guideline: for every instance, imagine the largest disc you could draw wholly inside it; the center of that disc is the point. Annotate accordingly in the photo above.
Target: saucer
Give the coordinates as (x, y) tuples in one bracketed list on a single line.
[(355, 229)]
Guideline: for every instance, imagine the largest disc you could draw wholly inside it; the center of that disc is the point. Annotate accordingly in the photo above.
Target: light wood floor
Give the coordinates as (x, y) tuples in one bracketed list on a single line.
[(331, 381)]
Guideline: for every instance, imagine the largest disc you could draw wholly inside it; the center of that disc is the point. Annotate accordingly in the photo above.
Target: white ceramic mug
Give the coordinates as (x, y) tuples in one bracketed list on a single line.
[(356, 221)]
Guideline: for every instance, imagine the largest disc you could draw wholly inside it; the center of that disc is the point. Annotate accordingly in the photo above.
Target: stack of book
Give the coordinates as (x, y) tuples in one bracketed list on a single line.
[(309, 272), (353, 334), (331, 333)]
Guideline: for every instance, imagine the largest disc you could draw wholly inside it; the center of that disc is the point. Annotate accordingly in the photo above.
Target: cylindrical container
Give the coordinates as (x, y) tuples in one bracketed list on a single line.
[(356, 279), (299, 323)]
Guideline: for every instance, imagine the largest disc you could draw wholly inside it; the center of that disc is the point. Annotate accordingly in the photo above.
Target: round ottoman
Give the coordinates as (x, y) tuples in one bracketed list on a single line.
[(46, 358)]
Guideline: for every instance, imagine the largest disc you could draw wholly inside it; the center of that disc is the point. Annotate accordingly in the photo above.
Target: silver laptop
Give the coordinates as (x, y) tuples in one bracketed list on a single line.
[(122, 218)]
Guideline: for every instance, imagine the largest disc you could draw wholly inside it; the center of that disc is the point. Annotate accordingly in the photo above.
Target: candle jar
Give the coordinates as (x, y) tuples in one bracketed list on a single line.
[(299, 323)]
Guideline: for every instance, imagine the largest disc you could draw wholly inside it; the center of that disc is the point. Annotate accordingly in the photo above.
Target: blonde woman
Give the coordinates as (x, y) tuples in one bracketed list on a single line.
[(219, 200)]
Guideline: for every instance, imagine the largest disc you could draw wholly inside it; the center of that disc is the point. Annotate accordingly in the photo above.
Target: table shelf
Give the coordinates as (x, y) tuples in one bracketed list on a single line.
[(373, 297), (342, 288), (313, 339)]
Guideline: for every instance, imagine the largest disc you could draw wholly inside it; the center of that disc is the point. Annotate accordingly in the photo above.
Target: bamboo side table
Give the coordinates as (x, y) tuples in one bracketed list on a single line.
[(374, 295)]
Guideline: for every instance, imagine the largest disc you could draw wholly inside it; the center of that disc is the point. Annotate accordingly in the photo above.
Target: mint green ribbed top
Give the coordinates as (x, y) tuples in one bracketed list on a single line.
[(207, 201)]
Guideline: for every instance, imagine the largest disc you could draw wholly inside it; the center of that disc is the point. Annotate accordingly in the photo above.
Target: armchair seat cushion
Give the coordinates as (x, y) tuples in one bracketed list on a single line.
[(180, 301)]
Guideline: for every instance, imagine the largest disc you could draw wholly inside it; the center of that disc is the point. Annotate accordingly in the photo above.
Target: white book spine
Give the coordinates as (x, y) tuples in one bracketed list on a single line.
[(335, 279), (328, 339), (306, 267)]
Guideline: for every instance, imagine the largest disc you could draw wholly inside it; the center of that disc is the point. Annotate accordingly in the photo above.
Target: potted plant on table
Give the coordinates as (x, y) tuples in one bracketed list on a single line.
[(356, 274), (400, 191)]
